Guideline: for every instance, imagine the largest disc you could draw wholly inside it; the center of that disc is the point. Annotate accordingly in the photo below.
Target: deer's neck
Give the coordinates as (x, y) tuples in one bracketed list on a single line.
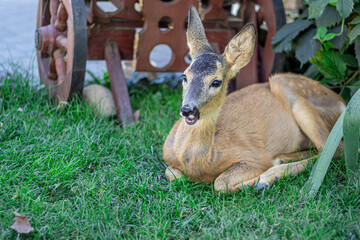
[(199, 141)]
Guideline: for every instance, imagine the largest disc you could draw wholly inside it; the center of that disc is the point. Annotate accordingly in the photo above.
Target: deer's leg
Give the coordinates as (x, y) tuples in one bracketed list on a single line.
[(172, 174), (276, 172), (169, 155), (229, 180), (296, 156)]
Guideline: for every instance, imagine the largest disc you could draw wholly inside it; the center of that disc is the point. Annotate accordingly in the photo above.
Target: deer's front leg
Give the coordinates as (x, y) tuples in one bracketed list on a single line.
[(276, 172), (231, 180), (173, 174)]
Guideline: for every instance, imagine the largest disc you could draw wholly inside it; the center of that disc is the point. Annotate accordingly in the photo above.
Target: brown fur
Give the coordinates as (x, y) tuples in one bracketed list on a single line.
[(242, 138)]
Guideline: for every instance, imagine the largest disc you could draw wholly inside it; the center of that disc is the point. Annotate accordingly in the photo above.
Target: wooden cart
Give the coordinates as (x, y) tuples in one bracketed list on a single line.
[(69, 32)]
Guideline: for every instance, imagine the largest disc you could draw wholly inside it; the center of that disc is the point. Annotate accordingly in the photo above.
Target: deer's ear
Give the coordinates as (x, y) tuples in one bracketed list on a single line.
[(240, 49), (196, 38)]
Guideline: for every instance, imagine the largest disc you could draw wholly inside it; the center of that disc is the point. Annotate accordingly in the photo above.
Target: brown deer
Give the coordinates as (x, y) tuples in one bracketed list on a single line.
[(247, 137)]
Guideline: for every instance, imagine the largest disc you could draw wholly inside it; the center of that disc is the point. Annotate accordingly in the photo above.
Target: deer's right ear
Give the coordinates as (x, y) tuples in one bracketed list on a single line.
[(240, 50), (196, 38)]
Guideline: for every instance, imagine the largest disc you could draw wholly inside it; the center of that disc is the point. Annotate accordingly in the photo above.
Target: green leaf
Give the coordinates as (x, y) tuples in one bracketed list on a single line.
[(329, 36), (304, 15), (355, 20), (339, 41), (316, 7), (281, 40), (344, 7), (354, 88), (306, 46), (335, 63), (331, 66), (321, 166), (329, 18), (357, 49), (320, 34), (327, 45), (350, 60), (354, 33), (346, 93), (351, 131)]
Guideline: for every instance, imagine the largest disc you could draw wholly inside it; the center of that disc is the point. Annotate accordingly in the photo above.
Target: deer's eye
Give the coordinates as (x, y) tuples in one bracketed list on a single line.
[(183, 78), (216, 83)]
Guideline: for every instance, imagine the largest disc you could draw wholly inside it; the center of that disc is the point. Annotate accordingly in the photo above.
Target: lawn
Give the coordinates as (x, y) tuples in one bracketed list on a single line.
[(78, 176)]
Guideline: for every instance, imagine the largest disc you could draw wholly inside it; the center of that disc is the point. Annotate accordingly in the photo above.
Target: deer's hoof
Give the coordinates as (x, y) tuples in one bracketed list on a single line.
[(261, 185)]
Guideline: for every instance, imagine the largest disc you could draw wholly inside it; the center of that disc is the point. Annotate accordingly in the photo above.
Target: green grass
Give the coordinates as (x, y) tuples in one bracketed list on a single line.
[(76, 176)]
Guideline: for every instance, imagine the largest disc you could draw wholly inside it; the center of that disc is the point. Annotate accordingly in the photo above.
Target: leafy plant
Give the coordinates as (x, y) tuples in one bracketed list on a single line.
[(327, 35)]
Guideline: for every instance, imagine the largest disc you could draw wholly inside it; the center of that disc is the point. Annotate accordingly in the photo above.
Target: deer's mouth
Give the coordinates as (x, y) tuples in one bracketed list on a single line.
[(191, 120), (191, 114)]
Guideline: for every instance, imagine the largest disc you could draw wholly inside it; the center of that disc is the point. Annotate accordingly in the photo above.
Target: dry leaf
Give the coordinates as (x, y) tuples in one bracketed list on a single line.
[(16, 196), (21, 224), (137, 115)]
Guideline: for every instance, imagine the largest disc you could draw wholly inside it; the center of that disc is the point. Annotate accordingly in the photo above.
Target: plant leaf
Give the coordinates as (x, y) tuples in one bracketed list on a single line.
[(344, 7), (357, 49), (281, 40), (330, 65), (329, 36), (306, 46), (321, 166), (355, 20), (327, 45), (350, 60), (329, 18), (354, 33), (339, 41), (320, 34), (351, 131), (316, 7), (333, 61)]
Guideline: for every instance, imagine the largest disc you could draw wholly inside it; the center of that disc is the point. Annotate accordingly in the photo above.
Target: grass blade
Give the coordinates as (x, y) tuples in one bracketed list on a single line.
[(351, 136), (321, 166)]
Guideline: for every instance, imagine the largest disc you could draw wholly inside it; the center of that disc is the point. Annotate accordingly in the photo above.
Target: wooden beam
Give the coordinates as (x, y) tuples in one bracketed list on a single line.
[(118, 84)]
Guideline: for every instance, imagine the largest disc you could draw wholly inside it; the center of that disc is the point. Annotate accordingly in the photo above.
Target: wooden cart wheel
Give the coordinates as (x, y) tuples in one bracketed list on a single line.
[(61, 41)]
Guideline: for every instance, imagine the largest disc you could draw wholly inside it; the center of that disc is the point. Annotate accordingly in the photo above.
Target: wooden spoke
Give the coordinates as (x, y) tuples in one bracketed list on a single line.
[(54, 4), (62, 17), (60, 65), (52, 69), (62, 42)]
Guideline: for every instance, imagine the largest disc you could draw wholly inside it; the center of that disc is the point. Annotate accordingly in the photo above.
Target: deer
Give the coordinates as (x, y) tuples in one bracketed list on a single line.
[(253, 136)]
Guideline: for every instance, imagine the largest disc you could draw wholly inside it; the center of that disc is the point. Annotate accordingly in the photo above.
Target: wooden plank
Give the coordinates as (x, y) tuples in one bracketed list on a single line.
[(124, 38), (151, 35), (118, 84)]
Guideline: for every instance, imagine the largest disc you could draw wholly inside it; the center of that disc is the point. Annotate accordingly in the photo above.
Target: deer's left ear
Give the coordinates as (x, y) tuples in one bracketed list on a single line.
[(195, 34), (240, 49)]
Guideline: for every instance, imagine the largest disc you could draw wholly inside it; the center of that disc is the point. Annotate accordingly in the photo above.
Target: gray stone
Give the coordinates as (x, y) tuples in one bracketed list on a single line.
[(101, 99)]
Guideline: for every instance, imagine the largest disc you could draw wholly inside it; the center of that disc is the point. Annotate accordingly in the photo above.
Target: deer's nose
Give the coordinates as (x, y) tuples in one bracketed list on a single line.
[(186, 110)]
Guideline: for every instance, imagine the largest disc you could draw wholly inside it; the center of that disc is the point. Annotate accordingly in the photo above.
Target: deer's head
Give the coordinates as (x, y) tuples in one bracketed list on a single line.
[(206, 80)]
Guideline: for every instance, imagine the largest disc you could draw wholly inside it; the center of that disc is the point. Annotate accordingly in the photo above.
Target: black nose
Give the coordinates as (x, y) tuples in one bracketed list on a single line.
[(186, 110)]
